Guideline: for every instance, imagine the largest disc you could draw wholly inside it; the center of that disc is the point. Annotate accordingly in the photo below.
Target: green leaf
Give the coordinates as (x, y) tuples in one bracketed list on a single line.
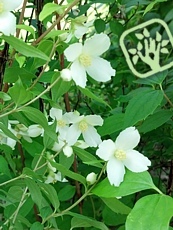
[(38, 117), (87, 157), (35, 115), (4, 167), (111, 124), (34, 191), (100, 25), (157, 78), (37, 226), (7, 132), (4, 96), (79, 221), (12, 74), (68, 173), (23, 48), (27, 28), (116, 27), (66, 193), (133, 182), (141, 106), (60, 88), (152, 4), (49, 8), (89, 94), (155, 120), (19, 94), (46, 47), (50, 193), (116, 206), (151, 212)]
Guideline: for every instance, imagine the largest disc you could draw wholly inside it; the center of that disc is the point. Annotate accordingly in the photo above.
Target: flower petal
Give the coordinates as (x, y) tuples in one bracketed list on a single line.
[(73, 134), (68, 151), (115, 171), (7, 23), (9, 5), (80, 30), (136, 162), (94, 120), (91, 137), (100, 70), (58, 146), (73, 117), (34, 130), (55, 113), (73, 52), (106, 150), (97, 45), (78, 74), (128, 139)]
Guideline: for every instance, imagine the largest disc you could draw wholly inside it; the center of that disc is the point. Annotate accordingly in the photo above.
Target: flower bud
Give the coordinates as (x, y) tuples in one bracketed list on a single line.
[(66, 75), (91, 178)]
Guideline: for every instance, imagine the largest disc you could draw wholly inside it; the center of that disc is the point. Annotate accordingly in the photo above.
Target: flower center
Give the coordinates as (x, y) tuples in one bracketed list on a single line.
[(120, 154), (85, 60), (1, 7), (83, 126), (61, 123)]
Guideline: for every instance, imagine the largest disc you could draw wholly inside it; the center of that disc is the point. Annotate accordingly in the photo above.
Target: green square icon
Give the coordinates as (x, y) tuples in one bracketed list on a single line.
[(147, 48)]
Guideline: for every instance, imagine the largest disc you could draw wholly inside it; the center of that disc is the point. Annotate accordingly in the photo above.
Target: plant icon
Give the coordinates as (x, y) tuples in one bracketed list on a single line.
[(149, 49), (152, 49)]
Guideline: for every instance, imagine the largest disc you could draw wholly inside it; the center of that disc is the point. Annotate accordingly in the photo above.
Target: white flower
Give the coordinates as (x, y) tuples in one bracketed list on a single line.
[(84, 125), (35, 130), (85, 58), (120, 154), (62, 121), (91, 178), (54, 177), (66, 75), (7, 19), (78, 27), (62, 145)]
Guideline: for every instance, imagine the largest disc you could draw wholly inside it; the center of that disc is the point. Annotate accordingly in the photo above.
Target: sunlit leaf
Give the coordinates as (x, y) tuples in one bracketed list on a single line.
[(133, 182), (24, 48), (151, 212)]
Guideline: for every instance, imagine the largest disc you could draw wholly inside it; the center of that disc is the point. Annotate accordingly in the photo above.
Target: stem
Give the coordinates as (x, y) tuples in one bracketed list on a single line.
[(30, 102), (21, 17), (14, 179), (55, 23), (78, 201), (166, 97)]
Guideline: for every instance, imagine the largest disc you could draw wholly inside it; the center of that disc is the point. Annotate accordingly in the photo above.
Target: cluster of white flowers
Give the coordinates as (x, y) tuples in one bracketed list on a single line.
[(70, 126), (7, 19), (20, 131)]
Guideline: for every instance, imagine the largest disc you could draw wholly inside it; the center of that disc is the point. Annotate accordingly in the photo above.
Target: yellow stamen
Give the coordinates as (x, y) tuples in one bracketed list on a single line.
[(83, 126), (120, 154), (85, 60), (61, 123)]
